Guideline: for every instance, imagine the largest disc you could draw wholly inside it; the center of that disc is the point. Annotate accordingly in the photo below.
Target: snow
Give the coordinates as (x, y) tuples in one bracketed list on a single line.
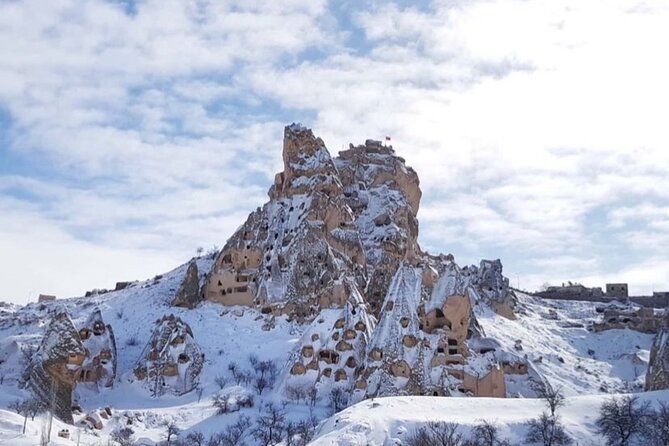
[(387, 421), (229, 334), (565, 352)]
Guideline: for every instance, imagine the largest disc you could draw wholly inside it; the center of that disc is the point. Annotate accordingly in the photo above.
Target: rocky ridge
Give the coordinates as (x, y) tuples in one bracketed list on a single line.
[(341, 233)]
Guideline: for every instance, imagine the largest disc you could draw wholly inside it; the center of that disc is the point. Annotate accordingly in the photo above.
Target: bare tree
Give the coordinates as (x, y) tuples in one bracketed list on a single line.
[(195, 439), (436, 433), (221, 381), (21, 408), (656, 431), (552, 396), (123, 436), (260, 384), (621, 420), (270, 427), (486, 433), (172, 431), (548, 431), (338, 399), (298, 393), (233, 434)]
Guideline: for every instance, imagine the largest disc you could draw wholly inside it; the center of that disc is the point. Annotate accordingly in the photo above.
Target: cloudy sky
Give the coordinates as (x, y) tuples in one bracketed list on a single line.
[(133, 132)]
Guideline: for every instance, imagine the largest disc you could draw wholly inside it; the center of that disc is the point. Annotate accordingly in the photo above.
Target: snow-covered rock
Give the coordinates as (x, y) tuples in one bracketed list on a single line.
[(172, 360), (657, 377)]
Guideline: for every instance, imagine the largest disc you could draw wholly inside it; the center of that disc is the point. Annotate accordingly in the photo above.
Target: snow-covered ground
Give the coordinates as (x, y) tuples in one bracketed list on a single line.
[(565, 352), (559, 345), (387, 421)]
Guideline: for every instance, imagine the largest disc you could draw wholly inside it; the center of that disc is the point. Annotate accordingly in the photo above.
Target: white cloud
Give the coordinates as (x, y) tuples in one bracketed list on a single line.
[(536, 128)]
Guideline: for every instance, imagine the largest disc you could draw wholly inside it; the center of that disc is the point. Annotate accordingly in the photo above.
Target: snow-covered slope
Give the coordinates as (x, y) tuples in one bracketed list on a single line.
[(230, 334), (295, 296), (388, 421)]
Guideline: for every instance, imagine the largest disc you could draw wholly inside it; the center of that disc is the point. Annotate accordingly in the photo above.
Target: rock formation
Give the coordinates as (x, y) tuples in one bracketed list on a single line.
[(657, 377), (171, 361), (188, 294), (55, 366), (99, 365), (296, 252), (331, 352), (341, 234), (384, 196), (68, 356), (641, 319)]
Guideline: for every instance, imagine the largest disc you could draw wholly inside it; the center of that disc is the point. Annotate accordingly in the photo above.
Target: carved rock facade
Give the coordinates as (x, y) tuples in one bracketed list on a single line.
[(68, 356), (171, 362)]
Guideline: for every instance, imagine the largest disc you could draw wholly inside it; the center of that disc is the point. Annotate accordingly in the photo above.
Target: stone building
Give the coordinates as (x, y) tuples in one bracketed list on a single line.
[(617, 290)]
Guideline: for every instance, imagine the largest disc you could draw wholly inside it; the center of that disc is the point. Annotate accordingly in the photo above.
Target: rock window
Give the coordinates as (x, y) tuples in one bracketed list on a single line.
[(328, 356), (98, 328), (340, 375), (86, 375), (376, 354)]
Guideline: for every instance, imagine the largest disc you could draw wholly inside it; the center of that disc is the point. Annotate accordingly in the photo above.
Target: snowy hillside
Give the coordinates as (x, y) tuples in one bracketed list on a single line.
[(230, 334), (387, 421), (323, 298)]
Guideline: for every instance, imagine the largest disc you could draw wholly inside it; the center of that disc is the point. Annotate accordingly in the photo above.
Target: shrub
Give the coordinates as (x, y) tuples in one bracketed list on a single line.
[(547, 430), (621, 420), (436, 433), (232, 399)]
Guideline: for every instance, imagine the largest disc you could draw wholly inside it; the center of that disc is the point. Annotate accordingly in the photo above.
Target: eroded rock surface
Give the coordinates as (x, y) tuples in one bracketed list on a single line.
[(657, 377), (171, 362), (68, 356), (188, 294), (342, 233)]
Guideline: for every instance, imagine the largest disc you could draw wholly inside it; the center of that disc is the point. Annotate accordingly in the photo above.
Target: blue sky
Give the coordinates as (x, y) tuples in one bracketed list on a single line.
[(133, 132)]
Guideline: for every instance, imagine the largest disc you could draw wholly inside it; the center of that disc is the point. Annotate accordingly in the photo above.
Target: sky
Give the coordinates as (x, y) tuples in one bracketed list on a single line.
[(134, 132)]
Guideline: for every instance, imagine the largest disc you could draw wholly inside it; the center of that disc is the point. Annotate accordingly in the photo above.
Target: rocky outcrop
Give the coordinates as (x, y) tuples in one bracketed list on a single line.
[(67, 357), (99, 365), (188, 294), (640, 319), (384, 195), (331, 352), (171, 362), (54, 368), (657, 377), (295, 253), (341, 234)]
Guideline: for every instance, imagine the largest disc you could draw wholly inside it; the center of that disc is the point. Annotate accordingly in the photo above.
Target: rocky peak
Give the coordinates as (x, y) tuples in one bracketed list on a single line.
[(307, 165), (384, 195)]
